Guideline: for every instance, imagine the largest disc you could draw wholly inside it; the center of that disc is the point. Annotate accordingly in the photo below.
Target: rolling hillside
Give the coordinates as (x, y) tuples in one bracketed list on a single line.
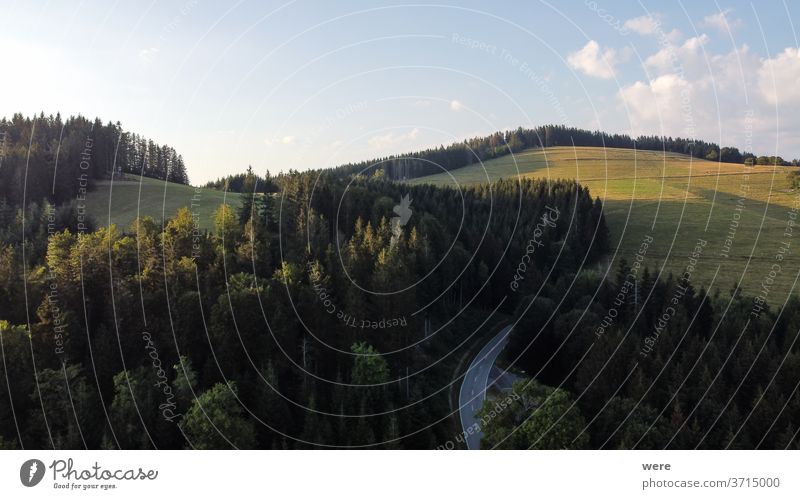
[(156, 198), (742, 212)]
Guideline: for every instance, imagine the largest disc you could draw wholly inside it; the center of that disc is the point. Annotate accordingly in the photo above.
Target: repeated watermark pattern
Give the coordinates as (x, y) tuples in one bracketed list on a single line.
[(681, 287), (83, 183), (495, 408), (168, 405), (376, 390), (56, 313), (3, 146), (548, 219), (349, 320), (775, 269), (197, 234), (616, 23), (523, 67), (629, 283)]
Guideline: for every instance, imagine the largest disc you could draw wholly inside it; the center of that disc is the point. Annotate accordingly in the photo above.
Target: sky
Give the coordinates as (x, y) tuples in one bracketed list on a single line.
[(302, 84)]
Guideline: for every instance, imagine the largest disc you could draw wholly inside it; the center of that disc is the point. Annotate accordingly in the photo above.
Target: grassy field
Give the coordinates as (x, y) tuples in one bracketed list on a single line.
[(155, 198), (676, 200)]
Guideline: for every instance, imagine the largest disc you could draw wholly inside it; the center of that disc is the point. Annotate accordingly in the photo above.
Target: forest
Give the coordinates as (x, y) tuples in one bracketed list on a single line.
[(162, 336), (721, 373), (48, 157), (333, 309)]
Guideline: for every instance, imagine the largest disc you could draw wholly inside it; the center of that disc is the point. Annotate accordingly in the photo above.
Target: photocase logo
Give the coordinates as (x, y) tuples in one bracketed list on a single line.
[(31, 472), (403, 212)]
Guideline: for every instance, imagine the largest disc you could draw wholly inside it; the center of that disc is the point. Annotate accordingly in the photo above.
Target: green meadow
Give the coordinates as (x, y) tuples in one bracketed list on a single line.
[(136, 197), (744, 213)]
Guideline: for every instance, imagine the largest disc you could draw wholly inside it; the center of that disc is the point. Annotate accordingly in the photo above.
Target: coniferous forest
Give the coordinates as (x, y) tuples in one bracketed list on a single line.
[(45, 151), (336, 308)]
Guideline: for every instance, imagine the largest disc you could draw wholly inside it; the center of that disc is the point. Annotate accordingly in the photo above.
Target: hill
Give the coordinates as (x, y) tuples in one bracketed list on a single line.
[(159, 199), (47, 157), (744, 213)]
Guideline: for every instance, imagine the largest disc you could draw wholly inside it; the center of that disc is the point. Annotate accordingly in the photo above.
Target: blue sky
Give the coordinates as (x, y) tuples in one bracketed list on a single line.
[(304, 84)]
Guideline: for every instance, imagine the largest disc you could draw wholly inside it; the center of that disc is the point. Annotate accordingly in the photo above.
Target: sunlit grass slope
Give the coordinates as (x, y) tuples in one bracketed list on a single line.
[(160, 200), (742, 212)]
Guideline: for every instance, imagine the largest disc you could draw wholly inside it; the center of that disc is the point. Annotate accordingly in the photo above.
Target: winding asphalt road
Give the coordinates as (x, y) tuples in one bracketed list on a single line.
[(473, 388)]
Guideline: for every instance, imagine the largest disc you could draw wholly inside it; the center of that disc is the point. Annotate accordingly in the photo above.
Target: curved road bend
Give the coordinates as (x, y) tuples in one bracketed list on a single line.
[(473, 388)]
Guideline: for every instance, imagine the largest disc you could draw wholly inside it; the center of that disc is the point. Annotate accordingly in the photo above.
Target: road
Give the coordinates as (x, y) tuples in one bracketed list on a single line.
[(473, 388)]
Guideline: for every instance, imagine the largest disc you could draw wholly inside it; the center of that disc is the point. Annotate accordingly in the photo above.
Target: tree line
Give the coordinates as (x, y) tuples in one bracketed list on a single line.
[(248, 182), (479, 149), (48, 157)]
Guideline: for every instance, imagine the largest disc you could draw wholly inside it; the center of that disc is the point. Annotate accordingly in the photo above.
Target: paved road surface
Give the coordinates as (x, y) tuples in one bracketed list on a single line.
[(473, 388)]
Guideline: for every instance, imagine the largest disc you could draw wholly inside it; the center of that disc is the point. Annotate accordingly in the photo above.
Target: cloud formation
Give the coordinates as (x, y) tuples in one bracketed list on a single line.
[(779, 78), (721, 21), (592, 61), (734, 98), (651, 25), (688, 57), (644, 25)]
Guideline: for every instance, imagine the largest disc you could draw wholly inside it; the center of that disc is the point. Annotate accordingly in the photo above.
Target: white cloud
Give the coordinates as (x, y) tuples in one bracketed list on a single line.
[(662, 105), (392, 139), (674, 36), (687, 58), (591, 61), (289, 139), (721, 21), (644, 25), (651, 25), (729, 98), (456, 105), (779, 78), (336, 143), (422, 103)]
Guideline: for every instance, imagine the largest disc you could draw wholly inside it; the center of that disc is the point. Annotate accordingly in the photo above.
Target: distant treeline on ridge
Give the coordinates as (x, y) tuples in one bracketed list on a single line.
[(479, 149)]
